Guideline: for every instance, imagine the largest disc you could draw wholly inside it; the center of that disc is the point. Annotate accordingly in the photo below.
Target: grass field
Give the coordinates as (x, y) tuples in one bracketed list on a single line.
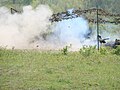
[(48, 70)]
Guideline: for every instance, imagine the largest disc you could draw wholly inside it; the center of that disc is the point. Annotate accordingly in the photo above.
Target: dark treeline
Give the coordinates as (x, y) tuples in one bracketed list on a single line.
[(112, 6)]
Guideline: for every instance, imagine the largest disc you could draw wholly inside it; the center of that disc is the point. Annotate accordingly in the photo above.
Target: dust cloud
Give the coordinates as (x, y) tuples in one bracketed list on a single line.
[(32, 29)]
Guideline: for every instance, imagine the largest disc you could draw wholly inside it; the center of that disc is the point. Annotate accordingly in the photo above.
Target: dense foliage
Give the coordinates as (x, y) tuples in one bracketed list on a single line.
[(61, 5)]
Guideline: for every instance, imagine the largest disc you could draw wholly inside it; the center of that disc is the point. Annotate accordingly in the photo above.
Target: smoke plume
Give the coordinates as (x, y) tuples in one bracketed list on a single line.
[(75, 32), (19, 29), (32, 30)]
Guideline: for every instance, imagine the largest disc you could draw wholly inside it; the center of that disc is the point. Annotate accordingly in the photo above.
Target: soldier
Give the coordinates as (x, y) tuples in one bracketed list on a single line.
[(101, 40), (117, 42)]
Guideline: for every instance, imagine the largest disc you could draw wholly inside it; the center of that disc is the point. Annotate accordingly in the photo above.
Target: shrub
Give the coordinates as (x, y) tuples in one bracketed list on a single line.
[(117, 50), (104, 50), (87, 50), (65, 49)]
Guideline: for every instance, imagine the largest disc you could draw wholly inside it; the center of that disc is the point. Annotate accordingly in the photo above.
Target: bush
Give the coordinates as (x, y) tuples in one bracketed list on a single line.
[(117, 50), (87, 50), (65, 49), (104, 50)]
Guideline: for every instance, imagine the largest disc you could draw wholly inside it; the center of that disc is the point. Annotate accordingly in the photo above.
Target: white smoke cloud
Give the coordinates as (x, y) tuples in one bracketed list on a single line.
[(74, 31), (32, 30), (18, 29)]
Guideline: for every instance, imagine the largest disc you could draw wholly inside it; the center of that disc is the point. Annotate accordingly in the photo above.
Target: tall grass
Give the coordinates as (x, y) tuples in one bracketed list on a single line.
[(49, 70)]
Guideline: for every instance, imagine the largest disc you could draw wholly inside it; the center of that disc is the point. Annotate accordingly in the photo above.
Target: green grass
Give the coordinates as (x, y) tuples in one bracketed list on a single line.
[(48, 70)]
